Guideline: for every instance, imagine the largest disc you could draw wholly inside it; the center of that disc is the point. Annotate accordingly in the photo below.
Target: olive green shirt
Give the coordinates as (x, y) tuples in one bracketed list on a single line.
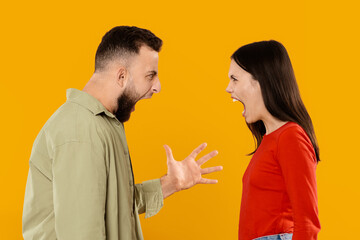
[(80, 184)]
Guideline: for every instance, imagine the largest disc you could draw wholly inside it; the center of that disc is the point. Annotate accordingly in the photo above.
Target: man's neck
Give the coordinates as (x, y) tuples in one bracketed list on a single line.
[(97, 88)]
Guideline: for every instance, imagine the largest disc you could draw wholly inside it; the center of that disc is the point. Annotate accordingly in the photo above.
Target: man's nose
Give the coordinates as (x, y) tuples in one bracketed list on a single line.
[(157, 86)]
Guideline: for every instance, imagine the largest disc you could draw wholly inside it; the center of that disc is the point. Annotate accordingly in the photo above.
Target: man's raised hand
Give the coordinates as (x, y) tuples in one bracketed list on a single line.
[(188, 172)]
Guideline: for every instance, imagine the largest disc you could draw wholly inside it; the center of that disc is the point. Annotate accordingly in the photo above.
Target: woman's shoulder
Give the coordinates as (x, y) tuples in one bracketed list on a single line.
[(289, 129), (293, 135), (292, 130), (292, 141)]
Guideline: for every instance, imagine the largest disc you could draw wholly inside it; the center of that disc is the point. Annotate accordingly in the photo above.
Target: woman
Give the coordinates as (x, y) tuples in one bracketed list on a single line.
[(279, 199)]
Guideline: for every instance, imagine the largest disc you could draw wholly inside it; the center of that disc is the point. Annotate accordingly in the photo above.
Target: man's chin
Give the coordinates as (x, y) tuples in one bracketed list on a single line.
[(123, 118)]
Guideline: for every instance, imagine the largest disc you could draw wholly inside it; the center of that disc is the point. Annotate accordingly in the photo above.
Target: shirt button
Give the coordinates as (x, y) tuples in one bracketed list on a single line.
[(130, 183)]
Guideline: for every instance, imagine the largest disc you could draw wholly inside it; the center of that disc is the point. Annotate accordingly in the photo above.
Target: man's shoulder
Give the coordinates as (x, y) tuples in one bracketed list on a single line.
[(72, 122)]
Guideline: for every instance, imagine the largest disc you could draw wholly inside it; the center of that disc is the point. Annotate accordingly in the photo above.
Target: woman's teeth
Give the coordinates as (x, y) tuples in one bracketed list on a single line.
[(235, 100)]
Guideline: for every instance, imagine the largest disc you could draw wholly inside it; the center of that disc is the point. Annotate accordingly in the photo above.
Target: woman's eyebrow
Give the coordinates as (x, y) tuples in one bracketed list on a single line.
[(233, 77)]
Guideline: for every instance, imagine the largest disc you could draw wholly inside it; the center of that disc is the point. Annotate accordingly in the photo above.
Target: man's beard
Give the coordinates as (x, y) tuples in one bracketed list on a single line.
[(126, 102)]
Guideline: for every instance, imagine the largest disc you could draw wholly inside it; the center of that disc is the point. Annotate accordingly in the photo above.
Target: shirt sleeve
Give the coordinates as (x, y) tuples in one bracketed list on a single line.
[(79, 192), (38, 212), (298, 165), (149, 197)]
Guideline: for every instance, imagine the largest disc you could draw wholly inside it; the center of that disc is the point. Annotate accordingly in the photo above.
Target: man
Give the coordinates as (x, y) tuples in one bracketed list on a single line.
[(80, 184)]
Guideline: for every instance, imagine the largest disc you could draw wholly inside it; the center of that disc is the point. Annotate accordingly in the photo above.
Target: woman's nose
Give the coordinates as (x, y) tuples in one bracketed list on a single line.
[(228, 88)]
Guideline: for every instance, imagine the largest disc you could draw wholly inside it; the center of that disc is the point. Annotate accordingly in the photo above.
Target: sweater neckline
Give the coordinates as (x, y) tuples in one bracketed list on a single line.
[(276, 130)]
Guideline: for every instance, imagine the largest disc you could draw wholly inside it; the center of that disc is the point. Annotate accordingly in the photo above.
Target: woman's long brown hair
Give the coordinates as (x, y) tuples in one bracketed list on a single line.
[(269, 63)]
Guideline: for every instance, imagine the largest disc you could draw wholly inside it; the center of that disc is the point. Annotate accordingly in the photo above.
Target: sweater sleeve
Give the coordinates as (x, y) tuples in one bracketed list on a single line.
[(298, 163)]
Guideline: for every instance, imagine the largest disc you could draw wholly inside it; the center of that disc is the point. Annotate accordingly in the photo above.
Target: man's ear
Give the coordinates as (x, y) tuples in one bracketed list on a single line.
[(122, 76)]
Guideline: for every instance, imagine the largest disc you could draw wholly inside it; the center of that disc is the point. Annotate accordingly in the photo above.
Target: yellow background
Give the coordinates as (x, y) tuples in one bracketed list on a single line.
[(49, 46)]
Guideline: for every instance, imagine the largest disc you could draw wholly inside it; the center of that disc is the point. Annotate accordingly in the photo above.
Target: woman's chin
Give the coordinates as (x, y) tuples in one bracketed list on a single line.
[(249, 120)]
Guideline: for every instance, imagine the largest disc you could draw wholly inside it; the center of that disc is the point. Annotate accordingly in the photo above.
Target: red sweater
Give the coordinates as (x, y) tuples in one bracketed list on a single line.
[(279, 187)]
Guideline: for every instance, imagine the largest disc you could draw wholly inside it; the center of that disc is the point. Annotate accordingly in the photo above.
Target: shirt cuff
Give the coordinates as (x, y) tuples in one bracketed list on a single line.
[(154, 199)]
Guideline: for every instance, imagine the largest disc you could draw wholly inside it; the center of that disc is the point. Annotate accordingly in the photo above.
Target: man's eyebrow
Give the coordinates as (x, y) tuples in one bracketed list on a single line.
[(152, 73)]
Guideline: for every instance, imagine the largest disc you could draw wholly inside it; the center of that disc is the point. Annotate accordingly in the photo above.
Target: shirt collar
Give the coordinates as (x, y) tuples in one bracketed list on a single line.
[(88, 101)]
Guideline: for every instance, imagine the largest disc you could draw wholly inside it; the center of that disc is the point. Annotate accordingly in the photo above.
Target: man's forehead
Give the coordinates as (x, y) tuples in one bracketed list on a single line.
[(146, 51), (146, 60)]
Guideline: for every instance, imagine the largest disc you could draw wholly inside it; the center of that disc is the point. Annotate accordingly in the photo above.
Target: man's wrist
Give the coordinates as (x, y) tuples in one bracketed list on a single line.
[(169, 186)]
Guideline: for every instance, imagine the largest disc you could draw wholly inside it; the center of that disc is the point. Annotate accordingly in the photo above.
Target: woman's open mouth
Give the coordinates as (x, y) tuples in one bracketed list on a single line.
[(237, 100)]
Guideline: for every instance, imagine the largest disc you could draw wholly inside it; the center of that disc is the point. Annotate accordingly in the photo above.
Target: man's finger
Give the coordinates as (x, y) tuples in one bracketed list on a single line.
[(198, 150), (208, 181), (168, 151), (207, 157), (211, 170)]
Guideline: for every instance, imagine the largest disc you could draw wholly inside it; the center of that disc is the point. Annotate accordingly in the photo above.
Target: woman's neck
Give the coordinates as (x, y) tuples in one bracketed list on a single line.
[(271, 124)]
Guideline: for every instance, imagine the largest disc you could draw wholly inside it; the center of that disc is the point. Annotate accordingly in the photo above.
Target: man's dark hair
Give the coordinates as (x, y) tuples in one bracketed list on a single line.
[(124, 40)]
